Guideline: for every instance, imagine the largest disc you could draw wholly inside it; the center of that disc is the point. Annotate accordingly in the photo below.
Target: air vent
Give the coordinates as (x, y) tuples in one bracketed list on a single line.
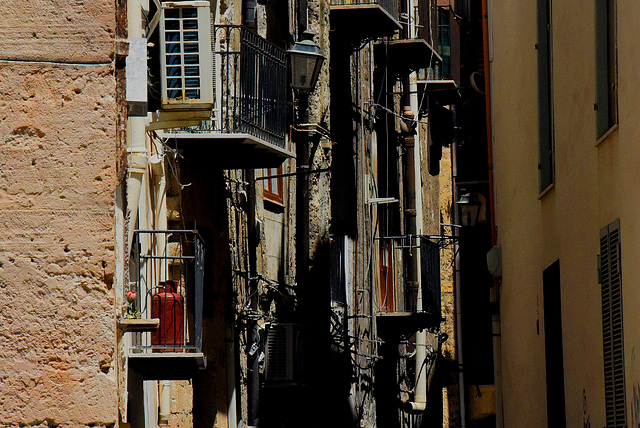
[(186, 58), (284, 348)]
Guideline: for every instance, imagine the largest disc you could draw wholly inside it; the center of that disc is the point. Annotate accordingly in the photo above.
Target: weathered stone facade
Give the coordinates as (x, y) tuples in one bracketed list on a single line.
[(57, 183)]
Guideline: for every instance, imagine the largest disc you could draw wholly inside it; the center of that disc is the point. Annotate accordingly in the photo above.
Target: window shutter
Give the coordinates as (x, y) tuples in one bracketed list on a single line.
[(612, 326), (430, 260)]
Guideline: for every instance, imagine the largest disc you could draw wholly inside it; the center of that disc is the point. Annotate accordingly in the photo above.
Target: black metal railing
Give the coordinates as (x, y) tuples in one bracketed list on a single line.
[(250, 86), (398, 271), (391, 6), (167, 275)]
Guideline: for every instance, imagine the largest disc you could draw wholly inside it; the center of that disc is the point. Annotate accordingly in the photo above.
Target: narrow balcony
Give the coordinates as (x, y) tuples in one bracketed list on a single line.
[(365, 19), (248, 120), (442, 80), (402, 258), (167, 273)]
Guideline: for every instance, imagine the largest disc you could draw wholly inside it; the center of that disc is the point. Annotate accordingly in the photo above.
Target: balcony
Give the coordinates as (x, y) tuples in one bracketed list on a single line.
[(406, 55), (364, 19), (442, 80), (248, 120), (398, 305), (168, 272)]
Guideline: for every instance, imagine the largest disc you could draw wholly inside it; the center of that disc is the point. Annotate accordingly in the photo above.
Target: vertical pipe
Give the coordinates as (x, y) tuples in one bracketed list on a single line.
[(253, 381), (302, 195), (137, 165), (497, 344), (160, 269), (165, 402), (456, 285), (411, 229), (160, 214)]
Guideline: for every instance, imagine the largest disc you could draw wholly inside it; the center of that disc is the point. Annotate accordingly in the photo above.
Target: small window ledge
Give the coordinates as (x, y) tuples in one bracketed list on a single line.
[(607, 134), (546, 190), (127, 324)]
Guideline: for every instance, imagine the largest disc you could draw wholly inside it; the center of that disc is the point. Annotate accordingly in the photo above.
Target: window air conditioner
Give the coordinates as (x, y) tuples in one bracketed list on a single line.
[(186, 57), (284, 349)]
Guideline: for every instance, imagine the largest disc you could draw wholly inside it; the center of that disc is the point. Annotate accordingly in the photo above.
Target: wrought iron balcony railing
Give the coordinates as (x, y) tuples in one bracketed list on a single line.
[(168, 277), (250, 82)]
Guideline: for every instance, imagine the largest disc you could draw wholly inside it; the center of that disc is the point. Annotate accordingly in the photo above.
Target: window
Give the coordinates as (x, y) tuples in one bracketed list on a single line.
[(612, 327), (545, 96), (553, 347), (273, 186), (606, 66)]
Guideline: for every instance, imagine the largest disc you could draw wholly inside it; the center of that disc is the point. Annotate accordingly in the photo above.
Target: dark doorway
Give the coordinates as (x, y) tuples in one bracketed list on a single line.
[(554, 356)]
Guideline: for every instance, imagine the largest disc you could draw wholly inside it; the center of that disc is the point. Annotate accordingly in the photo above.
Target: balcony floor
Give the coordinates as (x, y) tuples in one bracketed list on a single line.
[(407, 55), (363, 21), (406, 322), (444, 91), (167, 365), (236, 150)]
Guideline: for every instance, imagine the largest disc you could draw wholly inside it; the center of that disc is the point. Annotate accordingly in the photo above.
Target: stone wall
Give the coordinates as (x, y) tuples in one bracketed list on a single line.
[(57, 182)]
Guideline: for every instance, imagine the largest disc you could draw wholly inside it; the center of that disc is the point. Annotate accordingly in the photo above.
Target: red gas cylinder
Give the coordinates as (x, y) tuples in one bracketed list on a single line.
[(168, 306)]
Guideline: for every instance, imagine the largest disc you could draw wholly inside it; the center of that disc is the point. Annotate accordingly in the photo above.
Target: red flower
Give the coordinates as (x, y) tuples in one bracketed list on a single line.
[(131, 295)]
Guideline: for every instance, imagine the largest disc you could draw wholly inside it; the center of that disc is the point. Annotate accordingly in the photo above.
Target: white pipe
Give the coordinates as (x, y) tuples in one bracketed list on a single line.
[(137, 163), (137, 160), (160, 213), (420, 392), (165, 402), (137, 181)]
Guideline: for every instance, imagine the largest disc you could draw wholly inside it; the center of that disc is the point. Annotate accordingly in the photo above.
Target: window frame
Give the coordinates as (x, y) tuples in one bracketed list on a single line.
[(606, 46), (269, 194), (546, 137)]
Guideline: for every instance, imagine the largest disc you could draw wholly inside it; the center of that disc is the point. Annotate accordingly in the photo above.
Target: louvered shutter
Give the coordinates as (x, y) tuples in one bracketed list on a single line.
[(612, 326)]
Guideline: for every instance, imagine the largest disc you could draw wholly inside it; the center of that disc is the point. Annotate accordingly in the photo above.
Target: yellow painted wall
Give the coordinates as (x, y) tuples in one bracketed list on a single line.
[(594, 185)]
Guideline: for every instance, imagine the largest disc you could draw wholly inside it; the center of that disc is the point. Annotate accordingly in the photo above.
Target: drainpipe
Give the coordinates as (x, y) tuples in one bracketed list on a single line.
[(253, 363), (137, 164), (456, 284), (497, 340), (420, 396), (137, 160), (160, 217), (420, 392), (165, 402), (160, 212)]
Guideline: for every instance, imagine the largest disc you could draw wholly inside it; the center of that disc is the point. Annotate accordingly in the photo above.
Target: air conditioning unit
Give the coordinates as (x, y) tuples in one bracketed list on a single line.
[(284, 353), (186, 55)]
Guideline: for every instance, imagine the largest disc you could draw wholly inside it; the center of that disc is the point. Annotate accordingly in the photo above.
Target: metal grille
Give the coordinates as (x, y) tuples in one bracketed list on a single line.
[(186, 55), (612, 326), (182, 53), (168, 277)]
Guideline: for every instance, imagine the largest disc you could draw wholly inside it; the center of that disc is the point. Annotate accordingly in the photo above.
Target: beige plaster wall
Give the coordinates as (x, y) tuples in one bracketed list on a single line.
[(593, 186), (57, 182), (618, 178)]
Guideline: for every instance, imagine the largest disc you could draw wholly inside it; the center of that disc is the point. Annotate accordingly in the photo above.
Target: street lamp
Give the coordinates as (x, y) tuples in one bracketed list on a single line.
[(469, 205), (306, 61)]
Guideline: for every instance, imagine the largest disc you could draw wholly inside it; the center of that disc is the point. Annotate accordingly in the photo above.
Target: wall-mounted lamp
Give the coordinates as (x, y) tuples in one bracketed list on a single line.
[(306, 61), (469, 206)]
